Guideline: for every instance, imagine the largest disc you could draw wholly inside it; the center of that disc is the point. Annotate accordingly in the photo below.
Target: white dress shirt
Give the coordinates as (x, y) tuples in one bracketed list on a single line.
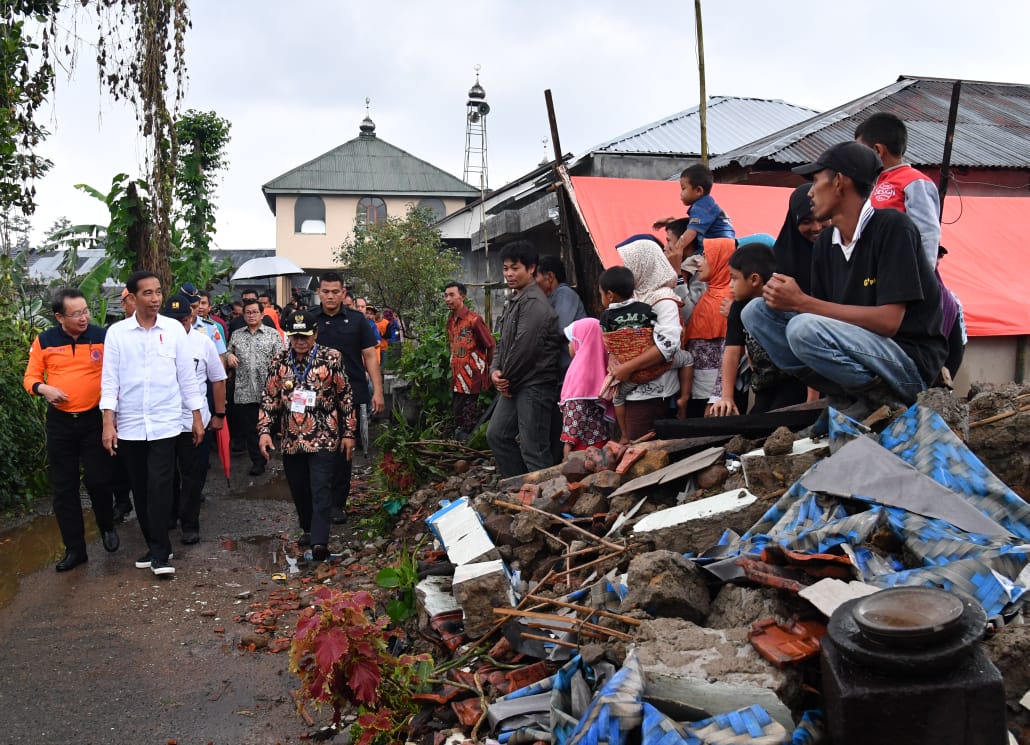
[(208, 366), (148, 379)]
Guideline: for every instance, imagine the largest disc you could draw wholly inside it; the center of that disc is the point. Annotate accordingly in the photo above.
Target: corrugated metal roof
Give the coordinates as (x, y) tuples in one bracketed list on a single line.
[(47, 266), (732, 122), (367, 165), (992, 129)]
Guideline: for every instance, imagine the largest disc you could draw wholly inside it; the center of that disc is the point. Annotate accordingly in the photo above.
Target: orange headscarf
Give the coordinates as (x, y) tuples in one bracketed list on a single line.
[(706, 322)]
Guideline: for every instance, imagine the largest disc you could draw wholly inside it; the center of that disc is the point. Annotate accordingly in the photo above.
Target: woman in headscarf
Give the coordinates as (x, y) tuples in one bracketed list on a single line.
[(706, 332), (654, 281), (793, 247)]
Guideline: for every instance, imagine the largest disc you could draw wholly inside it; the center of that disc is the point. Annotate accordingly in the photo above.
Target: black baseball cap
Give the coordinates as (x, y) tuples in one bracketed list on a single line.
[(177, 307), (301, 323), (853, 159)]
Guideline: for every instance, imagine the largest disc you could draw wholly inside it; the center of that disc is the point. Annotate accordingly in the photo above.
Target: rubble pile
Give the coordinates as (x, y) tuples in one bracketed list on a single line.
[(680, 588)]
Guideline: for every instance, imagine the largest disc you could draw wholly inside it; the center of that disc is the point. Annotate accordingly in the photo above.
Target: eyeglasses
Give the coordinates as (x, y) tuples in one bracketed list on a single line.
[(77, 314)]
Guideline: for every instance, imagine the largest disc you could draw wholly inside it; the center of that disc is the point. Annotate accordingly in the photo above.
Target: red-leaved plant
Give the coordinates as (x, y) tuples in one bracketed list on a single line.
[(341, 655)]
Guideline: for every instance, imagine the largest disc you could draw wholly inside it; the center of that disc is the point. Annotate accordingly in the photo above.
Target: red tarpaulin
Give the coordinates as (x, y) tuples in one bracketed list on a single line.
[(986, 265)]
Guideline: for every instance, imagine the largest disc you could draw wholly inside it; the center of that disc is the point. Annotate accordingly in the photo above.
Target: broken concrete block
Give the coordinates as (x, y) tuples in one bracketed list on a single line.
[(526, 526), (458, 528), (780, 442), (696, 526), (527, 553), (552, 492), (432, 597), (603, 481), (651, 462), (739, 445), (1009, 650), (590, 503), (479, 588), (498, 527), (663, 583), (770, 476), (533, 477), (715, 670), (739, 607)]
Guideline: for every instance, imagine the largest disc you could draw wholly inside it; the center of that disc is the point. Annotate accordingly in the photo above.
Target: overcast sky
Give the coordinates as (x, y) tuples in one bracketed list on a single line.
[(292, 78)]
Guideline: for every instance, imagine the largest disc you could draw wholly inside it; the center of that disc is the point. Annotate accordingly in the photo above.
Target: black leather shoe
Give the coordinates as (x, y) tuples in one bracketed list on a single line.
[(189, 537), (338, 516), (110, 539), (71, 560), (319, 553), (122, 511), (257, 469)]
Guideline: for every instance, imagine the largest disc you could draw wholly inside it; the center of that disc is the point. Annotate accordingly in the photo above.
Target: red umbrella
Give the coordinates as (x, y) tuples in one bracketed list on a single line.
[(222, 440)]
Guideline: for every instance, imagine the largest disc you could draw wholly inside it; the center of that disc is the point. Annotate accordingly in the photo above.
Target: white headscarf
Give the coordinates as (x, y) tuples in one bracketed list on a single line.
[(652, 273)]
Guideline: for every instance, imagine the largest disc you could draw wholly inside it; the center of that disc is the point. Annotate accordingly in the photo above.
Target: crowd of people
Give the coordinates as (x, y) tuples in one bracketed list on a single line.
[(132, 408), (846, 303)]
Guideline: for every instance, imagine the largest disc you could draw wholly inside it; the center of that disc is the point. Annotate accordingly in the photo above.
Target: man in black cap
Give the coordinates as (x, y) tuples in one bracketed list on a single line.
[(869, 332), (191, 459), (347, 331), (308, 399)]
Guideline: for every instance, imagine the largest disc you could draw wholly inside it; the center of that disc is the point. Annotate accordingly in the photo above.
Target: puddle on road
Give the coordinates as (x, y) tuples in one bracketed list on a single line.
[(276, 489), (264, 553), (31, 546)]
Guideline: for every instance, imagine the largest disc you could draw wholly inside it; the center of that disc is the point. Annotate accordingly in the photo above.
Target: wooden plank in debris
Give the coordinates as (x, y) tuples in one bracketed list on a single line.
[(755, 425), (672, 471)]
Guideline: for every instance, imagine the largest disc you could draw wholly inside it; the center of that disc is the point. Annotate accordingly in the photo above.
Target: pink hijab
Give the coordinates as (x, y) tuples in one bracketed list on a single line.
[(590, 365)]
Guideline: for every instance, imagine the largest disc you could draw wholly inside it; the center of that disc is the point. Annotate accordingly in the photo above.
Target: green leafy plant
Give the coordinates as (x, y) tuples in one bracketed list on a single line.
[(341, 654), (402, 576), (23, 459), (425, 365)]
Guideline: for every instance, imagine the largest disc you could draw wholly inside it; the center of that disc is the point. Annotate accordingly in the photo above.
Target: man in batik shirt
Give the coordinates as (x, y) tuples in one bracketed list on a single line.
[(308, 400), (472, 350)]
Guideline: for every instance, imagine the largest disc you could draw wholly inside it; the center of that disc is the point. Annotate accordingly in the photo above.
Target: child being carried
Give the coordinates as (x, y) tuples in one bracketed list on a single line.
[(629, 328)]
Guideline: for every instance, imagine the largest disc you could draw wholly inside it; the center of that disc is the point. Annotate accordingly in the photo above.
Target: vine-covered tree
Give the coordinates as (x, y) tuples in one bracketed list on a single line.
[(203, 137), (402, 263), (27, 29), (140, 48)]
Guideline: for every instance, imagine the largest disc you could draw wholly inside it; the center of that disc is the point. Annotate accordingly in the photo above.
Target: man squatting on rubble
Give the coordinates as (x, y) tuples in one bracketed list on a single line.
[(869, 333)]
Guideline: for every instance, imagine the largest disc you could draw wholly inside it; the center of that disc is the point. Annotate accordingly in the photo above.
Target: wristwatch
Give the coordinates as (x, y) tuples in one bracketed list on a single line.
[(219, 413)]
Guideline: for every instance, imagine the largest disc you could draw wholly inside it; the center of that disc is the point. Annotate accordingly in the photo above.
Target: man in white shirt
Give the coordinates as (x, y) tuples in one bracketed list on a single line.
[(192, 460), (147, 381)]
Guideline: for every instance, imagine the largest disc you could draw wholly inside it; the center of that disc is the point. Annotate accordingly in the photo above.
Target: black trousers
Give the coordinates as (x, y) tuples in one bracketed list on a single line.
[(310, 476), (191, 469), (73, 440), (120, 484), (151, 465), (247, 416)]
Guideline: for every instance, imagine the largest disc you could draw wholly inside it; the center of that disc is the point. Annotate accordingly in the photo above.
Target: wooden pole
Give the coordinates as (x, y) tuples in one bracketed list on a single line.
[(703, 108), (949, 139)]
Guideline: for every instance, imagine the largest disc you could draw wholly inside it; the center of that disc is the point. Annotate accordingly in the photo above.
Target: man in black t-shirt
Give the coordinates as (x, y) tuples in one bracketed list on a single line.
[(869, 332), (348, 332)]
